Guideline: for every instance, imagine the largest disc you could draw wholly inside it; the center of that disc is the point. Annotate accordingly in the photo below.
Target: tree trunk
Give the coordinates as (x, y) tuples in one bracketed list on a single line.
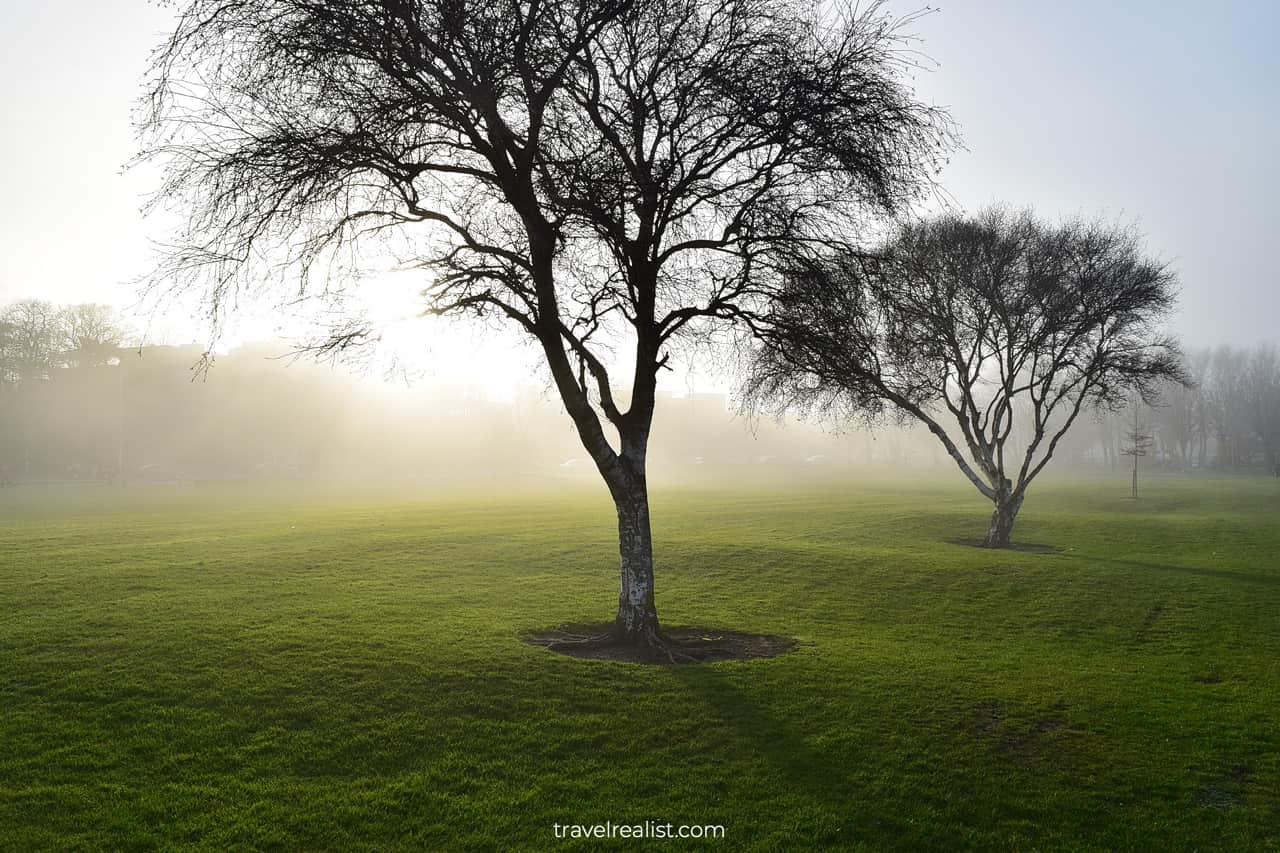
[(637, 619), (1000, 531)]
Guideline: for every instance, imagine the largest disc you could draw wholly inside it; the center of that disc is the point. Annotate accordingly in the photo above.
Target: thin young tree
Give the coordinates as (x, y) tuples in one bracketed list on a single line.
[(975, 326), (608, 176), (1138, 443)]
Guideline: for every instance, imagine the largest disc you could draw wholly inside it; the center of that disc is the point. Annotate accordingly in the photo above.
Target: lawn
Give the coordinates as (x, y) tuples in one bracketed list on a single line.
[(232, 668)]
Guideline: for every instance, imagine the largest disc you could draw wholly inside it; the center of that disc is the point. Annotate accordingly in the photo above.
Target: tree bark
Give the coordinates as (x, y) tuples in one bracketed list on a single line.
[(1000, 531), (637, 619)]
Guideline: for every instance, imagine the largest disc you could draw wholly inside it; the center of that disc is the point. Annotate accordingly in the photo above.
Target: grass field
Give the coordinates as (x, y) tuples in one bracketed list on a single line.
[(229, 668)]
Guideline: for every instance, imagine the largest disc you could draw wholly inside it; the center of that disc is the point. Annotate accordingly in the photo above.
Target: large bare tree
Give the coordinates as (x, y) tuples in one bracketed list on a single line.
[(608, 176), (995, 332)]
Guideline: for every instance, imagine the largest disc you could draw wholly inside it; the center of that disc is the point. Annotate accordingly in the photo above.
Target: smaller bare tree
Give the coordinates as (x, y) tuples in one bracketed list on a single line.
[(995, 322), (1139, 441)]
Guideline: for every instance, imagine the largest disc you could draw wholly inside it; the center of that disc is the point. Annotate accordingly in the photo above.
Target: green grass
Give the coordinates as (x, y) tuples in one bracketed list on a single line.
[(226, 668)]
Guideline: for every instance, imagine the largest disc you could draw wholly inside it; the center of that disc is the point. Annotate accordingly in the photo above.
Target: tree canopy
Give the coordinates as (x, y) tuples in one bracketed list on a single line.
[(994, 331)]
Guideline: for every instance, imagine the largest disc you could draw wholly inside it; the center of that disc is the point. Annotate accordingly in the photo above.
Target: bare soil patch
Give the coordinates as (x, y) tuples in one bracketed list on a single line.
[(1025, 547), (685, 644)]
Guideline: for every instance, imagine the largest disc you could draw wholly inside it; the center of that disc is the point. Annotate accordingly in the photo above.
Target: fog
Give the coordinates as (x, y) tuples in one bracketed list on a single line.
[(148, 415)]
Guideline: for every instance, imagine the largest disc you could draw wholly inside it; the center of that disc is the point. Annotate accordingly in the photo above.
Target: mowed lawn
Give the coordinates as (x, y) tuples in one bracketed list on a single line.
[(236, 667)]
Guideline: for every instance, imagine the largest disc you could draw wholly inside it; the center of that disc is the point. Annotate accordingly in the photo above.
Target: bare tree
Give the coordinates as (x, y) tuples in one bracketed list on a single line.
[(1262, 381), (92, 334), (1138, 443), (1227, 405), (8, 351), (606, 175), (1178, 413), (986, 320), (1198, 371), (32, 338)]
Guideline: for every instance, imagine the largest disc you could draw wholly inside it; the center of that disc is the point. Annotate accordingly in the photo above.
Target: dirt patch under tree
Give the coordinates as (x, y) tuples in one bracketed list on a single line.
[(685, 644)]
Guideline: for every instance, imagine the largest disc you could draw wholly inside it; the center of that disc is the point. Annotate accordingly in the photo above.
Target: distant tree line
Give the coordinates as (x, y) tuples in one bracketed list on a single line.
[(76, 404), (38, 337), (80, 401), (1227, 419), (41, 343)]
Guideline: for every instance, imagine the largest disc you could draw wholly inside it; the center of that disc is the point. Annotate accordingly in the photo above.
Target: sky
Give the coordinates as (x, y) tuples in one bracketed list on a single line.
[(1160, 113)]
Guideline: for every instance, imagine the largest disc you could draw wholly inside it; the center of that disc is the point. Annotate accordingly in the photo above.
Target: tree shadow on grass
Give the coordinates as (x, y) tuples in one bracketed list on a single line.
[(684, 644), (1223, 574), (1021, 547), (750, 724)]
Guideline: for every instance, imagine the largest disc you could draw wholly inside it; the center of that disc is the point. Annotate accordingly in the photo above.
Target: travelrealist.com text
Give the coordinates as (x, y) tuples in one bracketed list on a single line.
[(647, 830)]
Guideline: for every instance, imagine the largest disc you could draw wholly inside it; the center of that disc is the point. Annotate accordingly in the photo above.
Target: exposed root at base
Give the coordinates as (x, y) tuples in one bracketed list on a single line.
[(680, 645)]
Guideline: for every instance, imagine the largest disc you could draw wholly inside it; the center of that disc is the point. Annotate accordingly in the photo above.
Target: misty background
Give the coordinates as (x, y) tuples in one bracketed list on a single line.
[(1157, 112), (82, 400)]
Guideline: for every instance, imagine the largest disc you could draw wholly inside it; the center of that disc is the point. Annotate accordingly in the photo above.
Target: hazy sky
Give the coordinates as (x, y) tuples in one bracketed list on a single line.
[(1160, 112)]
